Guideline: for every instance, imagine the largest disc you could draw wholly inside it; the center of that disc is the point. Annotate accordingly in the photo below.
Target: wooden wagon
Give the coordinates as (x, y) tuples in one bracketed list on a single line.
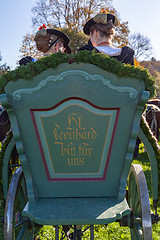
[(75, 127)]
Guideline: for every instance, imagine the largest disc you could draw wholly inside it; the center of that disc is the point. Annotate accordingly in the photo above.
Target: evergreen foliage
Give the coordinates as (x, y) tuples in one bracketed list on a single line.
[(103, 61), (156, 147)]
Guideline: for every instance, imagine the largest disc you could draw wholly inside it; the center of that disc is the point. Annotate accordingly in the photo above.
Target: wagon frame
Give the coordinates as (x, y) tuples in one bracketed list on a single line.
[(75, 117)]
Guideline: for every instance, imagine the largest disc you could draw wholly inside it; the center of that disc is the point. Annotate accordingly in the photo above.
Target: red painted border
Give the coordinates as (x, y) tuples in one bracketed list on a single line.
[(41, 148), (73, 98)]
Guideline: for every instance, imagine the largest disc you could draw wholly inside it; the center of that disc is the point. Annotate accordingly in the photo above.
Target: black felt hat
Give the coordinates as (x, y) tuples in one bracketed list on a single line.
[(68, 50), (102, 18), (43, 31), (62, 36), (58, 34)]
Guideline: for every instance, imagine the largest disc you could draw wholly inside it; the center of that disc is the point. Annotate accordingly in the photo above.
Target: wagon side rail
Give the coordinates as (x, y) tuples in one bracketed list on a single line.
[(19, 146), (131, 144), (153, 150)]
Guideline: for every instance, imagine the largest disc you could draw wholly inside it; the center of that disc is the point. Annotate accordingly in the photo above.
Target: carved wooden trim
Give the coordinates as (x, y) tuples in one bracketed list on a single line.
[(88, 77)]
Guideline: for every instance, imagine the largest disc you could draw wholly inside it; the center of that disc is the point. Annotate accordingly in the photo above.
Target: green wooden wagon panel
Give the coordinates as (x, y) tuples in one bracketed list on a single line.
[(78, 125)]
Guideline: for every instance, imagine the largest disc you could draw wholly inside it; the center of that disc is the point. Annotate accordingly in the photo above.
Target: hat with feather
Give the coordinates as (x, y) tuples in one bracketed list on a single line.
[(60, 35), (102, 18)]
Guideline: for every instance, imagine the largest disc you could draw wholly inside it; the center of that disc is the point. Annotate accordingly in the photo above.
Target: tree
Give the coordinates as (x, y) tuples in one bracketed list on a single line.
[(121, 31), (77, 39), (3, 67), (28, 47), (154, 69), (153, 59), (66, 13), (70, 17), (141, 45)]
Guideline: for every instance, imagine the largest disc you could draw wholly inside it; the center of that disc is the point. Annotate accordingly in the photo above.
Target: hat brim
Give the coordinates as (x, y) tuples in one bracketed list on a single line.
[(68, 50), (59, 34), (91, 22), (87, 26)]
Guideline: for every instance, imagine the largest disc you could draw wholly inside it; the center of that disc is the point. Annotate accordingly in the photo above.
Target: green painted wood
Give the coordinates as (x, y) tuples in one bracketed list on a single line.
[(96, 86), (132, 142), (72, 211), (5, 169), (153, 162), (19, 146), (75, 141), (75, 129)]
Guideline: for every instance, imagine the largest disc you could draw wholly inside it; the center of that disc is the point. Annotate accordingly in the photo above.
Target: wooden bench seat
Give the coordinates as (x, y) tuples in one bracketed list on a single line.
[(69, 211)]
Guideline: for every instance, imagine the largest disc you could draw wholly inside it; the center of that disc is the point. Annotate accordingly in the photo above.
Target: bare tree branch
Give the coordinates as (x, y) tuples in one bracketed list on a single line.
[(141, 45), (70, 13)]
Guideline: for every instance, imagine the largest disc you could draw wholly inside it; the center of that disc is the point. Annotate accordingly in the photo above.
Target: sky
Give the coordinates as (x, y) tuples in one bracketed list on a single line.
[(16, 22), (143, 16)]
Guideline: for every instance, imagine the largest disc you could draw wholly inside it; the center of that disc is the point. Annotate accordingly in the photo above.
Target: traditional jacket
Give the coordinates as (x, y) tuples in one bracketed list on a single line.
[(124, 55)]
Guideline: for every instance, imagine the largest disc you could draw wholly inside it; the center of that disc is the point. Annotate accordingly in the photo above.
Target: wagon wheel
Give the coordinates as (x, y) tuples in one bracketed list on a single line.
[(15, 226), (10, 163), (138, 200)]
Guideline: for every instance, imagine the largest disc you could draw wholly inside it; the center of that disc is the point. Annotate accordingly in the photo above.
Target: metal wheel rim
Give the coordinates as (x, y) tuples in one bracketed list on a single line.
[(13, 210), (138, 200)]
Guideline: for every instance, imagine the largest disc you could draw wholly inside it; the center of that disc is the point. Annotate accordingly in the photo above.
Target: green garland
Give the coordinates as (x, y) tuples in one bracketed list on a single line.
[(153, 141), (103, 61)]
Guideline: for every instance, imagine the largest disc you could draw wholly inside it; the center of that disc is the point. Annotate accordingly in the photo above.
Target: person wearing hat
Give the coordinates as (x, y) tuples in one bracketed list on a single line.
[(51, 41), (48, 41), (101, 31)]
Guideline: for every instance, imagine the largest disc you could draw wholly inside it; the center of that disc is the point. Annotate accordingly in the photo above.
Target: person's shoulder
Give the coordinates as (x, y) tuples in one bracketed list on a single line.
[(127, 55), (26, 60), (86, 47), (128, 50)]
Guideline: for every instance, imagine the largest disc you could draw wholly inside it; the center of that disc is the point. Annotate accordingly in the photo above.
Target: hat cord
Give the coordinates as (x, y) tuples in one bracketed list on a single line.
[(54, 42)]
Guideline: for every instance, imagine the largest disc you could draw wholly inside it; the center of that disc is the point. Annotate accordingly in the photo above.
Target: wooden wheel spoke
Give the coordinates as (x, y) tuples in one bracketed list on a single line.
[(137, 232), (132, 190), (137, 207)]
